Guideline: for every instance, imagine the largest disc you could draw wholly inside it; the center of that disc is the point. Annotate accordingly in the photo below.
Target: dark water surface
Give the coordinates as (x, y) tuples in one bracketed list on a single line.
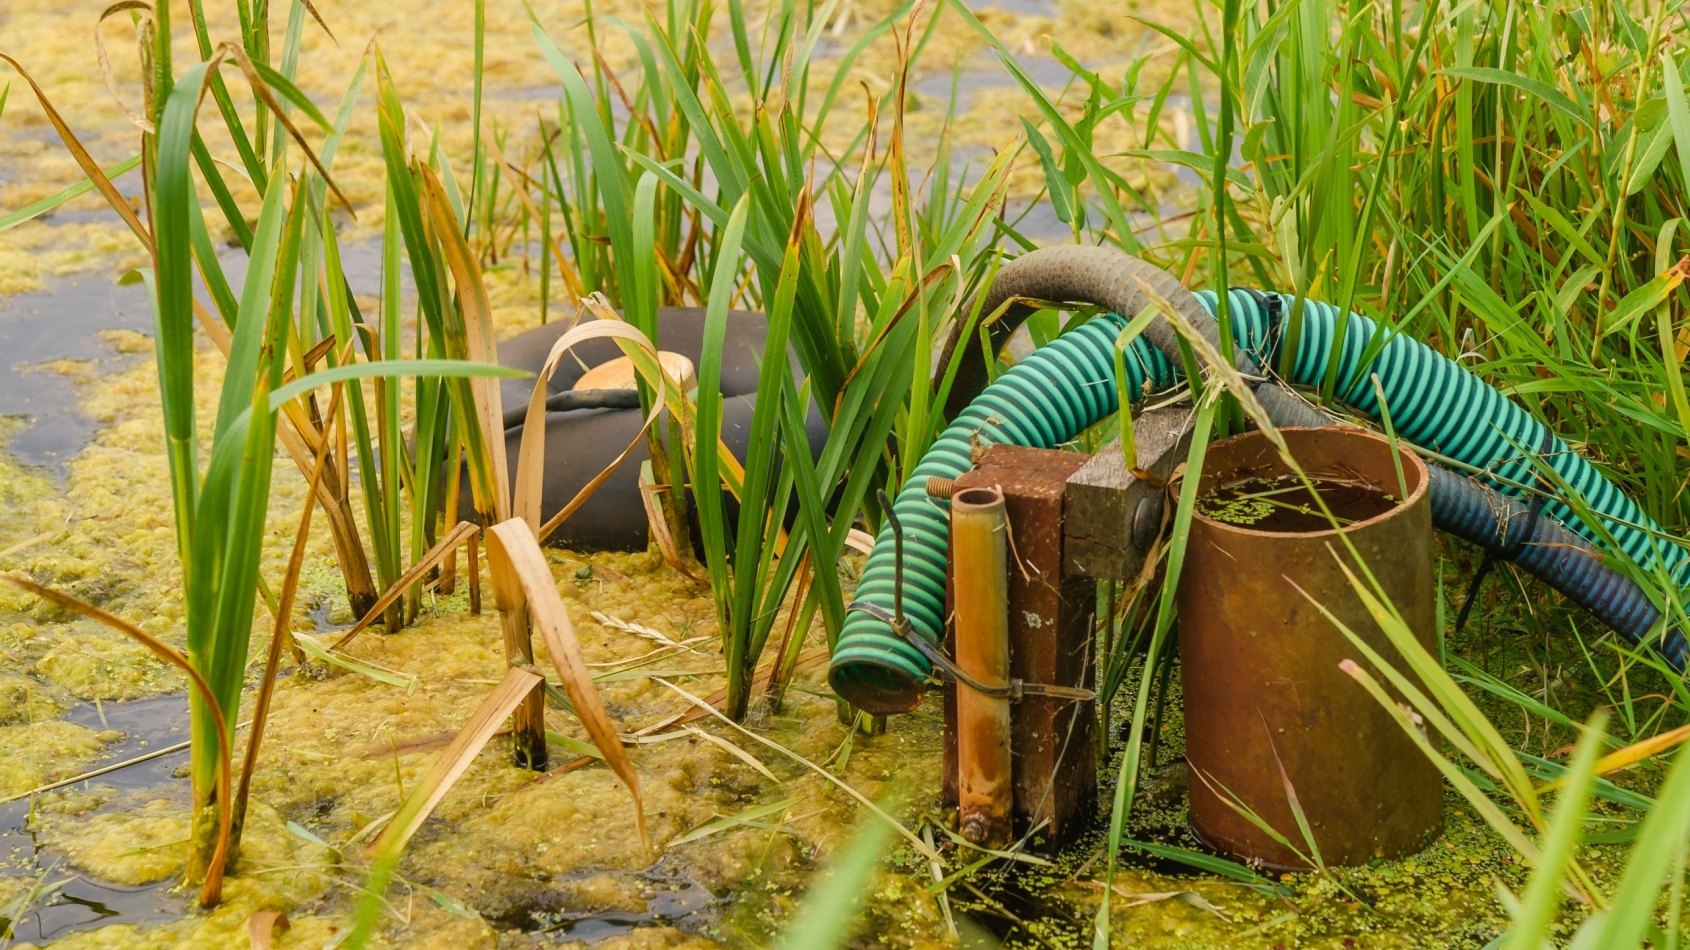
[(62, 323), (1284, 504), (81, 902)]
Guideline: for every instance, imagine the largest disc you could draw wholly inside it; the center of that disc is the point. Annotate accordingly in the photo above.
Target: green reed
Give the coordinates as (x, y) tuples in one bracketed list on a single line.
[(293, 316), (1506, 182), (861, 307)]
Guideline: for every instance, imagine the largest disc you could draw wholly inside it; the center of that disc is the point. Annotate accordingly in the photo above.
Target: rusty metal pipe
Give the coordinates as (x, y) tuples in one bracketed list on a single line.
[(981, 573), (1265, 702)]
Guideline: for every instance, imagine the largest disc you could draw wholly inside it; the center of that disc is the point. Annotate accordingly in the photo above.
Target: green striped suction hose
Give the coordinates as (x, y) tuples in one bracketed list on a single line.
[(1044, 400), (1069, 385)]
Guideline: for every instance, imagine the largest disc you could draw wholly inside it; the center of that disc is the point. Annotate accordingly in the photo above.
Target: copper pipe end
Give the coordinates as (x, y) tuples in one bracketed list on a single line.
[(980, 571)]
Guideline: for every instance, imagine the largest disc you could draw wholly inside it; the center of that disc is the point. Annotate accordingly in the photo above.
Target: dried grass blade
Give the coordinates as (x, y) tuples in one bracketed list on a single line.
[(85, 161), (910, 836), (860, 541), (293, 435), (452, 763), (106, 769), (808, 660), (479, 343), (660, 527), (531, 463), (435, 555), (212, 892), (732, 472), (381, 674), (734, 751), (140, 122), (284, 617), (1630, 755), (260, 927), (261, 91), (520, 572)]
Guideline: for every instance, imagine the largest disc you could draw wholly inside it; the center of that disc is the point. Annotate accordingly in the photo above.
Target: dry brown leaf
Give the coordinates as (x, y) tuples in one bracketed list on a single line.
[(297, 437), (1139, 898), (261, 925), (660, 528), (859, 540), (1626, 757), (521, 577), (531, 463), (808, 660), (143, 21), (479, 343), (284, 617), (451, 765), (261, 91), (86, 162), (733, 473), (734, 751), (408, 745)]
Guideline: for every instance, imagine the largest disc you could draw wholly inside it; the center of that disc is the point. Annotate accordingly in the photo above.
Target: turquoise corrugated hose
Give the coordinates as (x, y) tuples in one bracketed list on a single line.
[(1069, 385)]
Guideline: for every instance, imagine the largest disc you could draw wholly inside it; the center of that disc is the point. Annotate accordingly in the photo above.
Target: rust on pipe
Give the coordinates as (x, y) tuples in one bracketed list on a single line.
[(980, 571), (1269, 717)]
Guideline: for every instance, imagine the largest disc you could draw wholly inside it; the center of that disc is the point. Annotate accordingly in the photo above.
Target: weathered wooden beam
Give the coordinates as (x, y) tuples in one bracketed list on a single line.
[(1110, 515), (1052, 742)]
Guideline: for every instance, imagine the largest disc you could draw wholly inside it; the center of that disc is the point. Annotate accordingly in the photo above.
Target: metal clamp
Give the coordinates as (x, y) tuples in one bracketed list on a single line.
[(943, 665)]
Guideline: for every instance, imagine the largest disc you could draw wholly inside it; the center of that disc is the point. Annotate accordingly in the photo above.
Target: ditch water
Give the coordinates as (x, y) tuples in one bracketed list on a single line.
[(78, 902), (71, 901), (65, 323), (1285, 505)]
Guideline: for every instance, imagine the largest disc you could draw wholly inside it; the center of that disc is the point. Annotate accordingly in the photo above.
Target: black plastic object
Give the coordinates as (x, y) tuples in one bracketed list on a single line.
[(586, 430)]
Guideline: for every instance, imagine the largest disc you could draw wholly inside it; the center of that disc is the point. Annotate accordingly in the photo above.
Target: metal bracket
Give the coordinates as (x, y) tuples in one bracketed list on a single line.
[(942, 664), (947, 670)]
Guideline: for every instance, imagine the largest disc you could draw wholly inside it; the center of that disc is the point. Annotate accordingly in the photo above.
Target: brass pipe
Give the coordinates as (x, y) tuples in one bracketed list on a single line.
[(980, 571)]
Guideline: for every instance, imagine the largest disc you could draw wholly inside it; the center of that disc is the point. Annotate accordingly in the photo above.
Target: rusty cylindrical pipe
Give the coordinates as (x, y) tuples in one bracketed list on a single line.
[(980, 570), (1265, 702)]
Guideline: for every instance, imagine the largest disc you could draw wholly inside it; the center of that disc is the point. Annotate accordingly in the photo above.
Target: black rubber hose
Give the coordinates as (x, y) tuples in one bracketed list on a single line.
[(1544, 548), (578, 399), (1095, 275), (585, 430)]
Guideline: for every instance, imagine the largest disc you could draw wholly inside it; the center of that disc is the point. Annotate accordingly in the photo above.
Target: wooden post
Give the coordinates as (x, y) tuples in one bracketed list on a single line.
[(1053, 750), (1112, 514)]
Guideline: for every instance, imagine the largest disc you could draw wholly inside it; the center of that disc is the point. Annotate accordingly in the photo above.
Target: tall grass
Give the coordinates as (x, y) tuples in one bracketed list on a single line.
[(294, 297), (860, 306), (1503, 181)]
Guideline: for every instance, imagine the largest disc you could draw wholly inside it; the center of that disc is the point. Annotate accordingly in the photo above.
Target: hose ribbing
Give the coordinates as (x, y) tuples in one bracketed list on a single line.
[(1044, 400), (1069, 385)]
